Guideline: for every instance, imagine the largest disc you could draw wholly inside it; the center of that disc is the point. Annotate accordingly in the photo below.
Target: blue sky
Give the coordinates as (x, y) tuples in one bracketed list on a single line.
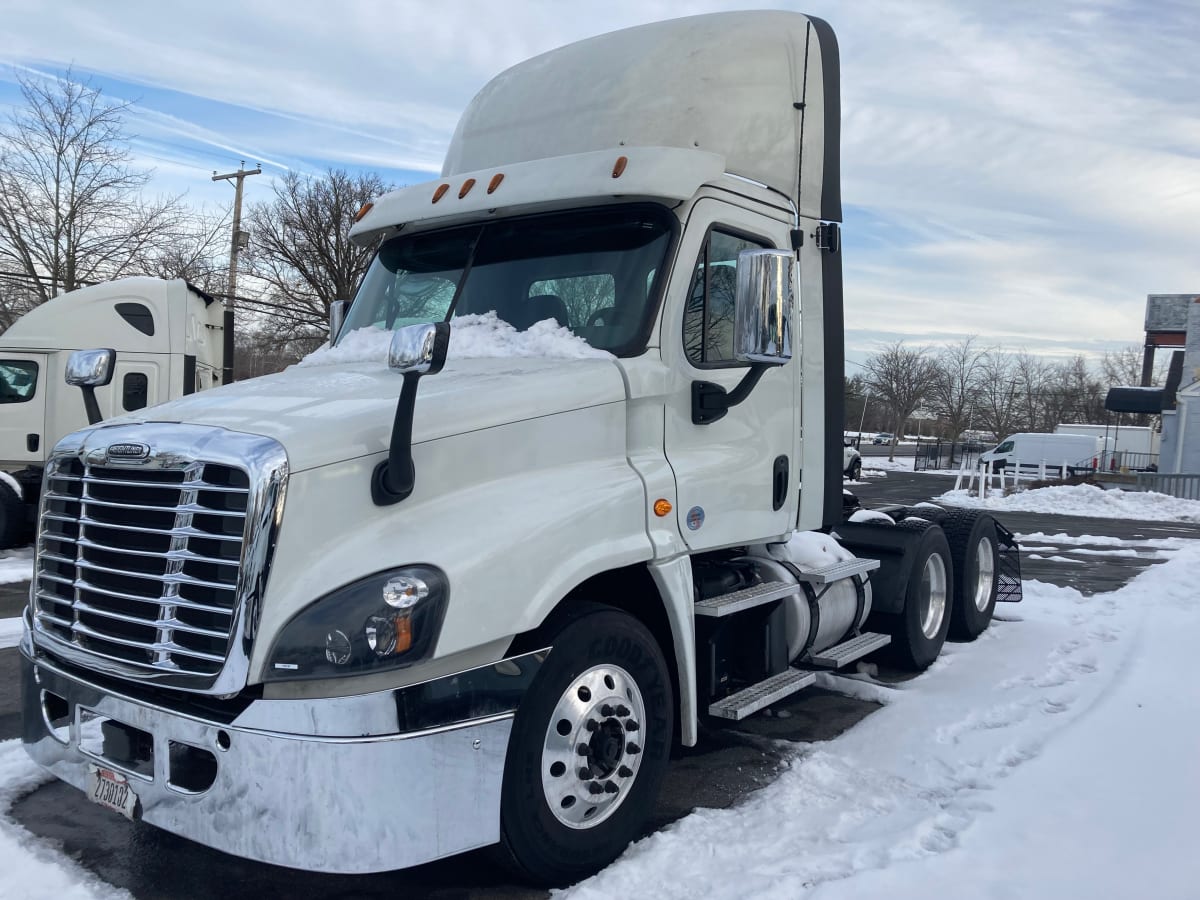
[(1024, 171)]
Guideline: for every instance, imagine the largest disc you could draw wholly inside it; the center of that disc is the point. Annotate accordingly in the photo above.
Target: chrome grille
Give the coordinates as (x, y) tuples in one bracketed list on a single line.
[(142, 565)]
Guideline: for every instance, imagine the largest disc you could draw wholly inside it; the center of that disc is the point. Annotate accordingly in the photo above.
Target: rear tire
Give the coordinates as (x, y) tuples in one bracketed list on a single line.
[(919, 631), (975, 550), (13, 529), (565, 814)]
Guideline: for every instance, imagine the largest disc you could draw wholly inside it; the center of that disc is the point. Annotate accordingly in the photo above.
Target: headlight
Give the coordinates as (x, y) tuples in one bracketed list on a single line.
[(384, 621)]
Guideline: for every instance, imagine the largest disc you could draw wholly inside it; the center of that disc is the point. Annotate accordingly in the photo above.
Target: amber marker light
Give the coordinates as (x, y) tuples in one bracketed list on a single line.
[(466, 188), (363, 210), (495, 182), (440, 192), (619, 166), (662, 507)]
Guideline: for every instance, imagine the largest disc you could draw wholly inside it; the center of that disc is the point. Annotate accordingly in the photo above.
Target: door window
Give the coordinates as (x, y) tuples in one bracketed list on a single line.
[(135, 388), (708, 312), (18, 380)]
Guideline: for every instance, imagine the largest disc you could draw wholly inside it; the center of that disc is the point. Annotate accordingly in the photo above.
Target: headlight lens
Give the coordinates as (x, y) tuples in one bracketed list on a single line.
[(385, 621)]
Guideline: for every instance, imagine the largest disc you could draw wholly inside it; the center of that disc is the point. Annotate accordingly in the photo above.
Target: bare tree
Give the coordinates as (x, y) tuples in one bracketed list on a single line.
[(300, 246), (198, 254), (902, 378), (953, 394), (71, 206)]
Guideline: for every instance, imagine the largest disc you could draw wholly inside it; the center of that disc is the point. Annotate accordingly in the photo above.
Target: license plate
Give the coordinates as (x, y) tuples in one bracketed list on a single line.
[(111, 790)]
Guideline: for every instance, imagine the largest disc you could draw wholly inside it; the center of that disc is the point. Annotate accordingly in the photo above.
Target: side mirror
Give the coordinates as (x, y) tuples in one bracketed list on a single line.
[(762, 329), (415, 351), (88, 370), (419, 349), (763, 306), (91, 368), (337, 315)]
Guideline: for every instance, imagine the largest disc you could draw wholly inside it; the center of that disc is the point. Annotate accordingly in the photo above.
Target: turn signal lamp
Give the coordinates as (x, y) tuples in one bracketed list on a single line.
[(662, 507), (466, 188), (440, 192), (363, 210), (495, 182), (619, 166)]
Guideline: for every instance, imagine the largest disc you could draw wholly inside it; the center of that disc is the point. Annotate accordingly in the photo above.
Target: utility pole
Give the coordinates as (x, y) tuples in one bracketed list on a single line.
[(236, 245)]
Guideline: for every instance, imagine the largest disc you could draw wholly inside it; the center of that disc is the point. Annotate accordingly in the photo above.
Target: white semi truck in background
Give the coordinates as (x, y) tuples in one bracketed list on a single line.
[(167, 336), (426, 598)]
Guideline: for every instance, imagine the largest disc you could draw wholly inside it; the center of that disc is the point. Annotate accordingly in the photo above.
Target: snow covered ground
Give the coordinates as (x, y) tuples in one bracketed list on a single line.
[(1053, 758), (16, 565), (1085, 500)]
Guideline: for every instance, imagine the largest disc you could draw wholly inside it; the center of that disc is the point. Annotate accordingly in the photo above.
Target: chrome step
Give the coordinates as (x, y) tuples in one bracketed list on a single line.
[(750, 700), (746, 598), (839, 570), (848, 651)]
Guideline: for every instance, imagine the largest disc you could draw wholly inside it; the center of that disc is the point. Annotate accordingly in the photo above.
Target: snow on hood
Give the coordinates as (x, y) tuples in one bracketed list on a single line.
[(471, 337), (324, 414)]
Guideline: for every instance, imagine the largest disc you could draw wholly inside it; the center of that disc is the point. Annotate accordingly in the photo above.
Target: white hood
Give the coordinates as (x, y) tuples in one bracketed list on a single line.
[(324, 415)]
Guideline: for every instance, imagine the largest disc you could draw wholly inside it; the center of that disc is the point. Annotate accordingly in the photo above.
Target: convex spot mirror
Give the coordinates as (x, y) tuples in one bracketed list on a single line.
[(337, 315), (763, 308), (91, 368), (419, 349)]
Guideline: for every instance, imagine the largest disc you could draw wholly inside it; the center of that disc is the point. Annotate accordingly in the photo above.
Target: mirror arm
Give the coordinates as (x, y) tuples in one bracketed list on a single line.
[(90, 404), (395, 477), (710, 401)]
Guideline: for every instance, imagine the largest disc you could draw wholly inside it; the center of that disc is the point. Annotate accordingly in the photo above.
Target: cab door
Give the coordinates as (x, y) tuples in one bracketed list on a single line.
[(23, 437), (736, 478)]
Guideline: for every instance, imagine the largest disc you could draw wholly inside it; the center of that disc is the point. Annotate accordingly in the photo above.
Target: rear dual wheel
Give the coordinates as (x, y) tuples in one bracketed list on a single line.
[(919, 632), (975, 551)]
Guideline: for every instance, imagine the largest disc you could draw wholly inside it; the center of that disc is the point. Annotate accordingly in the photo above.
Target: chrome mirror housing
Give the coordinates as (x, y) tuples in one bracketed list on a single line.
[(763, 306), (337, 315), (91, 368), (419, 349)]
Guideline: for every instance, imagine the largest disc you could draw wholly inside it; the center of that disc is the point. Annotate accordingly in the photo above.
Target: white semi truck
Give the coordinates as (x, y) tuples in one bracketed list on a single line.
[(167, 336), (361, 615)]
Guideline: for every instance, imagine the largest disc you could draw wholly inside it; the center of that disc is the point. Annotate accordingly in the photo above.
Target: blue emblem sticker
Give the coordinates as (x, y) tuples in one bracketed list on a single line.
[(695, 517)]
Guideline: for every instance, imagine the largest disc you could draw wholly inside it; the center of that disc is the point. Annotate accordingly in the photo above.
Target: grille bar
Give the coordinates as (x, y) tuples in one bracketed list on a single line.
[(139, 566), (179, 602)]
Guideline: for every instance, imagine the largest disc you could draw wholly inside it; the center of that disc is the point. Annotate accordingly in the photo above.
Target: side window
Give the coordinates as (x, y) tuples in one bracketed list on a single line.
[(708, 312), (18, 380), (135, 388)]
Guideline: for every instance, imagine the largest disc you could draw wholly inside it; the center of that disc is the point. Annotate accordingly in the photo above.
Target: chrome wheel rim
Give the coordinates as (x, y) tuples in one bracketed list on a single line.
[(985, 566), (933, 595), (593, 747)]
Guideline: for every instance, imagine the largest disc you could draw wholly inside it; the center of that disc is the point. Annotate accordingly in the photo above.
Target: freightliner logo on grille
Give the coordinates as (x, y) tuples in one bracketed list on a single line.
[(128, 451)]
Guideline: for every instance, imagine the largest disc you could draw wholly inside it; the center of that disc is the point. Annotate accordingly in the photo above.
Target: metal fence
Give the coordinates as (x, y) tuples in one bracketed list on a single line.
[(937, 454), (1186, 487)]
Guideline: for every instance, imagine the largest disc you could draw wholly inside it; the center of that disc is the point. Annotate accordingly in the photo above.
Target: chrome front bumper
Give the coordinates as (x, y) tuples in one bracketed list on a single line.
[(343, 804)]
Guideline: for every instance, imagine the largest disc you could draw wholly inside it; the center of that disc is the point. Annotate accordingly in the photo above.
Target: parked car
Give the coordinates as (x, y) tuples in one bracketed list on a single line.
[(851, 461), (883, 438)]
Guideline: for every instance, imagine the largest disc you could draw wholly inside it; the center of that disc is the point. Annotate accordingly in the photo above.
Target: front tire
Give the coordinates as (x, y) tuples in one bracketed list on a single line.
[(588, 750), (856, 470), (920, 630)]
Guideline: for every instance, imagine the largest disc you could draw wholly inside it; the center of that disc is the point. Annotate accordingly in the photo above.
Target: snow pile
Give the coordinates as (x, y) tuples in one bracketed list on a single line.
[(35, 868), (16, 565), (10, 632), (1053, 757), (1086, 500), (471, 337), (811, 550)]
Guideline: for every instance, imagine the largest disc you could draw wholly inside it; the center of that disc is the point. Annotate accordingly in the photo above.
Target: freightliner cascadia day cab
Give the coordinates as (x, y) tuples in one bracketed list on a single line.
[(167, 339), (449, 585)]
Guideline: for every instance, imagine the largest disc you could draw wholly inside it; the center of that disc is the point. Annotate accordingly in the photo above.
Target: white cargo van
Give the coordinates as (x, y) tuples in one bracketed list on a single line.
[(1031, 449)]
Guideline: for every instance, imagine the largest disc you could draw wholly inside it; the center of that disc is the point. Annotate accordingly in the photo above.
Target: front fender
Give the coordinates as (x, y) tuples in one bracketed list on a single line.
[(516, 516)]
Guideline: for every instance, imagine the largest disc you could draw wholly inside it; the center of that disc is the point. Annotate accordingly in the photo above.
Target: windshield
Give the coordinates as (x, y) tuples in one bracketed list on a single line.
[(18, 380), (596, 272)]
